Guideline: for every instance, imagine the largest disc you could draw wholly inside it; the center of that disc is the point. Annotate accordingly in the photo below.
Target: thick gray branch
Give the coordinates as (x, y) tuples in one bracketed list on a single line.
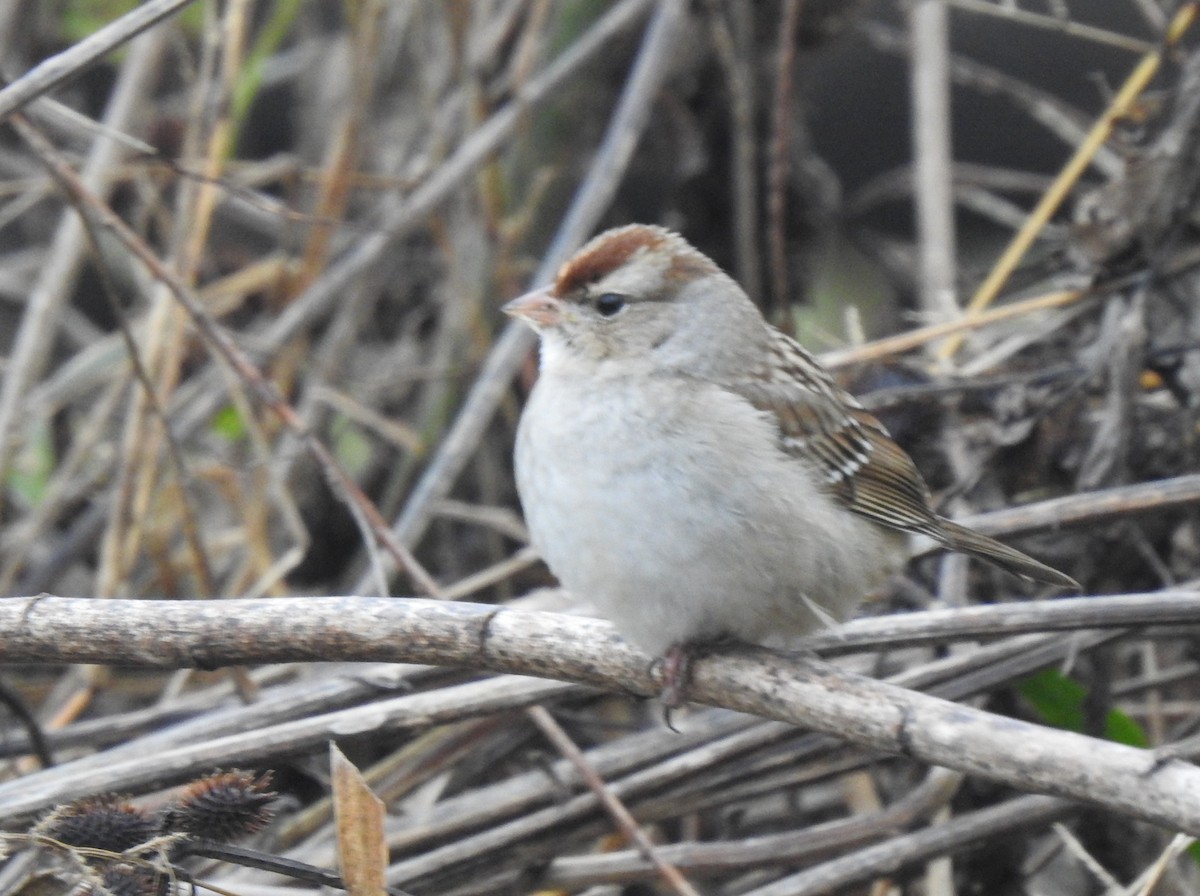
[(800, 690)]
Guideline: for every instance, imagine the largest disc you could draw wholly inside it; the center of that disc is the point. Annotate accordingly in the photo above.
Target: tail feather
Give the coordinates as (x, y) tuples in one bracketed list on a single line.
[(960, 538)]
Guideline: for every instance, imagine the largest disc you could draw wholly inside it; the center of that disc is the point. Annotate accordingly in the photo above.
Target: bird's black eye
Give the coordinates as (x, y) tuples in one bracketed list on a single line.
[(610, 303)]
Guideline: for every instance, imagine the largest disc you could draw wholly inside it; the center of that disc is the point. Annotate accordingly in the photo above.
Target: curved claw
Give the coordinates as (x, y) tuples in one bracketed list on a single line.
[(676, 672)]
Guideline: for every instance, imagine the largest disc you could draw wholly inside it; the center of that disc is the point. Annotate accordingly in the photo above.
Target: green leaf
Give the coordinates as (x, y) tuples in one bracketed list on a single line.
[(1121, 729), (1056, 699), (228, 424), (269, 39), (351, 447), (1059, 700), (30, 475)]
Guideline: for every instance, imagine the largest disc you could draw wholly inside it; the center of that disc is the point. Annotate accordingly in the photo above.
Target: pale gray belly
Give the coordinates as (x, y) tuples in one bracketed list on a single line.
[(679, 530)]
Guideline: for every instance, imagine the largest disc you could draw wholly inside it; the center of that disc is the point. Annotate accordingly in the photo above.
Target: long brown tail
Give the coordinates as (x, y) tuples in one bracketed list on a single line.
[(960, 538)]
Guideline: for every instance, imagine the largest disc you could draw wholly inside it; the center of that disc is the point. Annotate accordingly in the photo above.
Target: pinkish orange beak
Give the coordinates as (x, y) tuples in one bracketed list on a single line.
[(538, 308)]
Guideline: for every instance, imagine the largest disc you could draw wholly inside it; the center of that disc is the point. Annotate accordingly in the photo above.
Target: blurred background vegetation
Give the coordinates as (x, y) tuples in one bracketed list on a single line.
[(350, 190)]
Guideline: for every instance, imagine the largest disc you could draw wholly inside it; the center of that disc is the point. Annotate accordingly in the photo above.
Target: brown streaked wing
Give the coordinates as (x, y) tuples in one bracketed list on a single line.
[(889, 488), (820, 421)]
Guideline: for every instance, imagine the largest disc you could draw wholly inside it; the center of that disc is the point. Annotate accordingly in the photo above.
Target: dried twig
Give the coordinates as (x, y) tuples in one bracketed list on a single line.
[(932, 185), (612, 804), (785, 848), (1050, 201), (779, 159), (70, 62), (886, 858), (224, 345), (50, 292)]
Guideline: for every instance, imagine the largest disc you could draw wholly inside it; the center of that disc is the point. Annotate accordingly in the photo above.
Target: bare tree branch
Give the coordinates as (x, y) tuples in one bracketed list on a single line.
[(796, 689)]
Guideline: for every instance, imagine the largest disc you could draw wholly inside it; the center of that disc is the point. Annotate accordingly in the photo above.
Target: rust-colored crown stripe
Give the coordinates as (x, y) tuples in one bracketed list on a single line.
[(603, 256)]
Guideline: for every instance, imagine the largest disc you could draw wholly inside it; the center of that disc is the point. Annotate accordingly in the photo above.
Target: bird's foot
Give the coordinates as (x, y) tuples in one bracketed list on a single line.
[(677, 671), (676, 666)]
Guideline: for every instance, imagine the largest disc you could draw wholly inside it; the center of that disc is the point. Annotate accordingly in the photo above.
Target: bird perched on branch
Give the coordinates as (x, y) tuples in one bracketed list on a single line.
[(695, 472)]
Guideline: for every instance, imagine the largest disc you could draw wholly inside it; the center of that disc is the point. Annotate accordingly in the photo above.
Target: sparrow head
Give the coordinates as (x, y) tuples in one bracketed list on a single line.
[(644, 293)]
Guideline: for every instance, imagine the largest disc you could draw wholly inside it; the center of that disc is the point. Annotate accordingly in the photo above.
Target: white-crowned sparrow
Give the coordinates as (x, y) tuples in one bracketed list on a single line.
[(693, 471)]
